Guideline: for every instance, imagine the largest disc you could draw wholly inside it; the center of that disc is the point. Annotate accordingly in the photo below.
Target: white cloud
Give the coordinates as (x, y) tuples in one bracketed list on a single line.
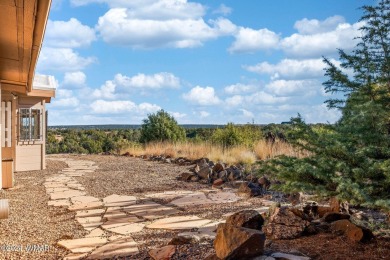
[(291, 69), (69, 102), (106, 91), (246, 113), (321, 43), (178, 115), (234, 101), (122, 106), (294, 87), (75, 79), (264, 98), (314, 26), (62, 59), (119, 26), (68, 34), (223, 9), (155, 81), (202, 96), (249, 40), (239, 89)]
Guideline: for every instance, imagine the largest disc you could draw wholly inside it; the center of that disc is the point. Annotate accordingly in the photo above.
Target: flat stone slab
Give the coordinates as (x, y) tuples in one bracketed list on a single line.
[(86, 206), (115, 214), (223, 197), (59, 203), (115, 200), (90, 223), (117, 248), (150, 210), (170, 194), (97, 232), (192, 200), (66, 194), (82, 245), (179, 223), (83, 199), (55, 190), (90, 213), (120, 221), (127, 228), (279, 255), (54, 185)]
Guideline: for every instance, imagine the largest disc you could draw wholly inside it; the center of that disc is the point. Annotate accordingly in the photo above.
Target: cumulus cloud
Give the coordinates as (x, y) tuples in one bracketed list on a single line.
[(314, 26), (204, 114), (321, 42), (68, 34), (202, 96), (155, 81), (106, 91), (239, 88), (62, 59), (75, 79), (248, 40), (291, 69), (122, 106), (294, 87), (234, 101), (119, 26)]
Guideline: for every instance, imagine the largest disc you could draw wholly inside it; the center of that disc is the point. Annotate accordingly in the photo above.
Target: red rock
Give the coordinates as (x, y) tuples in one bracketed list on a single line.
[(218, 182), (284, 224), (334, 204), (238, 243), (334, 216), (247, 219), (163, 253), (352, 231)]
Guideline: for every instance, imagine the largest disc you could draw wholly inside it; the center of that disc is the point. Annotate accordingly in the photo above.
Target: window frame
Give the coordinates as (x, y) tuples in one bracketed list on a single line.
[(32, 115)]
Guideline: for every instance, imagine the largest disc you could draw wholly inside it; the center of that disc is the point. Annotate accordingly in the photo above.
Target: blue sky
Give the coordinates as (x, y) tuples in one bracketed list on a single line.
[(205, 62)]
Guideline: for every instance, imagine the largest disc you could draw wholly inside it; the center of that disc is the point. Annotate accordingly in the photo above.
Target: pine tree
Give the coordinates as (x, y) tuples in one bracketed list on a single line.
[(351, 159)]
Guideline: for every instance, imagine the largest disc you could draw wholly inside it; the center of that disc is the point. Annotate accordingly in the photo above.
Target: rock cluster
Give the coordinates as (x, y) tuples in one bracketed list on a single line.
[(292, 222)]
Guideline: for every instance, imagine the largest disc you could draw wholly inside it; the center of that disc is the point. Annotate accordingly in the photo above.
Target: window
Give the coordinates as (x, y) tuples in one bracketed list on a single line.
[(30, 124)]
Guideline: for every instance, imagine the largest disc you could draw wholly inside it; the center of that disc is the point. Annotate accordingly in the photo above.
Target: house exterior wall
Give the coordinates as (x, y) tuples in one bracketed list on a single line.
[(30, 155)]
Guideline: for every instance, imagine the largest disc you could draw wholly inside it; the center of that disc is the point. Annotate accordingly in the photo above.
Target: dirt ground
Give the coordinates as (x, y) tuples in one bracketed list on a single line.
[(33, 223)]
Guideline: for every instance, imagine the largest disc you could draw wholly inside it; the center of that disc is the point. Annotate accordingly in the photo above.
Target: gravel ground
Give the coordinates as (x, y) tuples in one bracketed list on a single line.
[(32, 222), (33, 228)]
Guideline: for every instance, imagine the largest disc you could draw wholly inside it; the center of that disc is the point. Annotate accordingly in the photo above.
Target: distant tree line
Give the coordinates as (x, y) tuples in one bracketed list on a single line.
[(158, 127)]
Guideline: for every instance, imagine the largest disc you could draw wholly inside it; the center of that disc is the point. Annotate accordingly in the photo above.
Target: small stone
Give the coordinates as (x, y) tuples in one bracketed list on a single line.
[(163, 253)]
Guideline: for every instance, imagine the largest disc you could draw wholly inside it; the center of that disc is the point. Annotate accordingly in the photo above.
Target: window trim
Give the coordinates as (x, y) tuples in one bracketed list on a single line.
[(29, 112)]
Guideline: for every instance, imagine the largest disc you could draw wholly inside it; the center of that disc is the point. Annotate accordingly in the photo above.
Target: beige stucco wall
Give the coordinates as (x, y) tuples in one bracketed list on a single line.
[(30, 155)]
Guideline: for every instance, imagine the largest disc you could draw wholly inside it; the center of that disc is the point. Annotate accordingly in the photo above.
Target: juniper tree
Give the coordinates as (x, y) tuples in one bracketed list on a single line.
[(350, 159), (161, 127)]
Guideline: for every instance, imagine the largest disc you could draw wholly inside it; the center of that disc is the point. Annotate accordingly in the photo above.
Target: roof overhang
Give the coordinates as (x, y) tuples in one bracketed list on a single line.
[(23, 24)]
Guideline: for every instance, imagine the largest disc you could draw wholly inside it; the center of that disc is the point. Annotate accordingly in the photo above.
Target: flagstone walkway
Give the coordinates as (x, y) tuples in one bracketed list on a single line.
[(112, 220)]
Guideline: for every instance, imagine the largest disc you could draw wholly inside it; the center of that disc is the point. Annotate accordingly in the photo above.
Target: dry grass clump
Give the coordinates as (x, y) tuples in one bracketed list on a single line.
[(238, 154)]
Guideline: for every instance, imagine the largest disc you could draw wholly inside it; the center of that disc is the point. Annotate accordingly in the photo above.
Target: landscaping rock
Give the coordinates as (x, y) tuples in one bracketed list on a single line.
[(186, 176), (219, 167), (117, 248), (284, 256), (247, 219), (334, 204), (352, 231), (249, 189), (218, 183), (163, 253), (334, 216), (264, 182), (238, 243), (183, 239), (284, 224), (205, 173)]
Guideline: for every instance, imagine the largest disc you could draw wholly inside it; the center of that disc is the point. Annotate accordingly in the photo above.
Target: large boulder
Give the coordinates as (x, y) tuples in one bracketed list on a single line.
[(247, 219), (234, 242), (284, 224)]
